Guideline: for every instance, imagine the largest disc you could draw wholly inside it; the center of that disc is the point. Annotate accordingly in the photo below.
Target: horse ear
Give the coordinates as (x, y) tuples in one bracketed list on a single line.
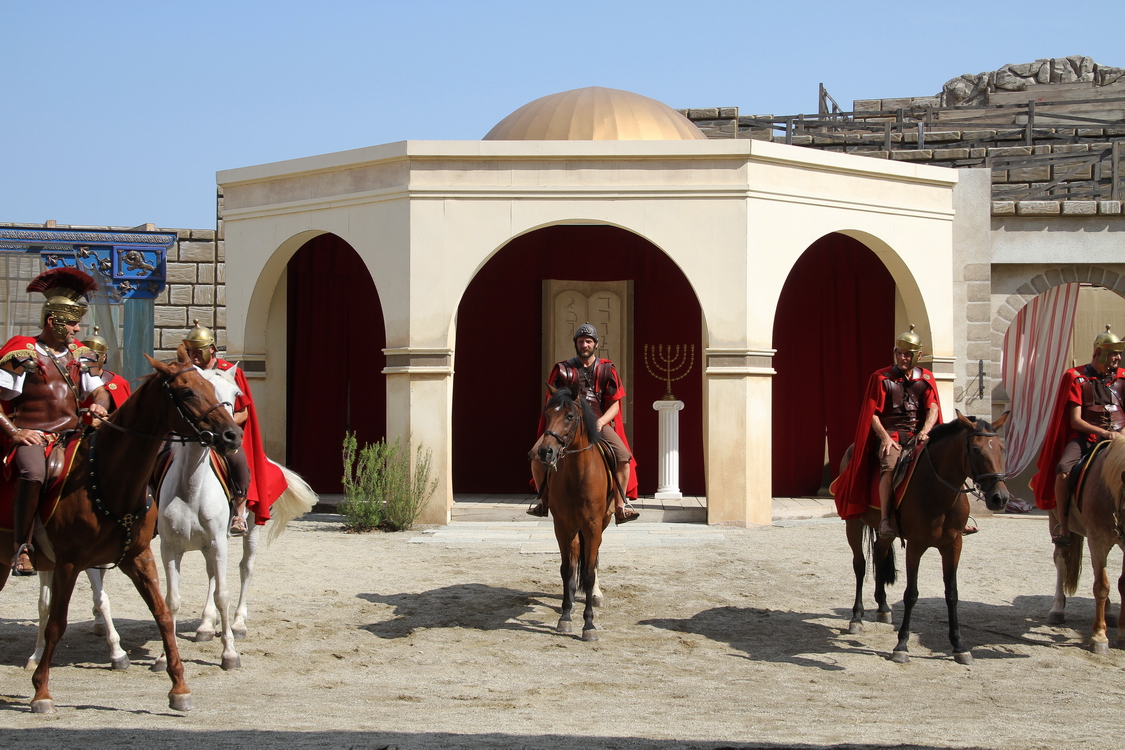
[(965, 420), (182, 355), (159, 366), (1000, 422), (552, 389)]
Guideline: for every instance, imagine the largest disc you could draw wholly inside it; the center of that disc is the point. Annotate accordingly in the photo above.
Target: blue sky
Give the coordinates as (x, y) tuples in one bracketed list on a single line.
[(121, 112)]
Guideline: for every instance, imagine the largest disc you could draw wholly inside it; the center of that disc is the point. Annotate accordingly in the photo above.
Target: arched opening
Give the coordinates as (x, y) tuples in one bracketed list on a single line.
[(335, 363), (835, 325), (498, 385)]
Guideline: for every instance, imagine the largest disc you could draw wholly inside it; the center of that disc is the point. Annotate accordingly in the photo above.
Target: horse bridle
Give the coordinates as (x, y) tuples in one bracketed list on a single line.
[(564, 442), (202, 436), (978, 479)]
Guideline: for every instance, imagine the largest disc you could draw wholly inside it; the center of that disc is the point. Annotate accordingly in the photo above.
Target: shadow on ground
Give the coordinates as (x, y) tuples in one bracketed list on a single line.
[(468, 605)]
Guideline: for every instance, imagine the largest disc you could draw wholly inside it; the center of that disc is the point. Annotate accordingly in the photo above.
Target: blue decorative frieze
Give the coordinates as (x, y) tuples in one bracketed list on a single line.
[(37, 236)]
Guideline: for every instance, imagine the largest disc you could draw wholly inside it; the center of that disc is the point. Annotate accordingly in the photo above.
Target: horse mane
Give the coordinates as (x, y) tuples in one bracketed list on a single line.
[(562, 397), (955, 426), (1113, 465)]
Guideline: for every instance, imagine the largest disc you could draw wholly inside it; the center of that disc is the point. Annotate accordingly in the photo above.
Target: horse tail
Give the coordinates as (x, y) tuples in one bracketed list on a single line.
[(1072, 559), (297, 500), (884, 570)]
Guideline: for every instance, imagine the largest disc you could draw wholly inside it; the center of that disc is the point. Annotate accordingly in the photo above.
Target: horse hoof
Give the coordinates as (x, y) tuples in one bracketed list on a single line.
[(202, 636), (883, 617), (121, 664), (1100, 648), (44, 706), (855, 628), (99, 629), (900, 657), (231, 662), (965, 657), (564, 626), (238, 633), (179, 701), (160, 665), (598, 601), (590, 635), (1056, 618)]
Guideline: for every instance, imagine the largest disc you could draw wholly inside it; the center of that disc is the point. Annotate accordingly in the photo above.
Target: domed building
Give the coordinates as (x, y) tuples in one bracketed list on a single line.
[(424, 288)]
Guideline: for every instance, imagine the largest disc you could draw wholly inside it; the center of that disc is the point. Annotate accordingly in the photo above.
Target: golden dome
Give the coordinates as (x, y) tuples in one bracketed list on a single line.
[(595, 114)]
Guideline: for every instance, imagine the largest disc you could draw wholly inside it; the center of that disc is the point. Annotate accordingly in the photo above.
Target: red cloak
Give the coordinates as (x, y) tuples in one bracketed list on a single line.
[(618, 423), (856, 489), (1059, 433), (266, 480)]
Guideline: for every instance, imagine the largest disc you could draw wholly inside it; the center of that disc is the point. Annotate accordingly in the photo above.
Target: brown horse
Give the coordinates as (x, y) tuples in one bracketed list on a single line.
[(1098, 515), (932, 514), (106, 517), (581, 496)]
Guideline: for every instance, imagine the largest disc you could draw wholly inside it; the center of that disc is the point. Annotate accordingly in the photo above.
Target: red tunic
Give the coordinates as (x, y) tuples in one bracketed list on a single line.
[(1059, 433), (266, 480), (618, 423), (856, 488)]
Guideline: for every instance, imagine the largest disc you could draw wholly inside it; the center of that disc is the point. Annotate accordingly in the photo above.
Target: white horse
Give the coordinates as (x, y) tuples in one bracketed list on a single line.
[(103, 619), (195, 515)]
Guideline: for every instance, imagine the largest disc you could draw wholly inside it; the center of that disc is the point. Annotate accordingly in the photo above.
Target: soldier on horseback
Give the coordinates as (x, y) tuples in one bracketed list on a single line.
[(596, 381), (42, 385), (1089, 409), (900, 408), (255, 481)]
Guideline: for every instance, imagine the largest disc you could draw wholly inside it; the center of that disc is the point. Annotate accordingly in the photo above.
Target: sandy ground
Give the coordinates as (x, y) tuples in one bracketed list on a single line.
[(711, 638)]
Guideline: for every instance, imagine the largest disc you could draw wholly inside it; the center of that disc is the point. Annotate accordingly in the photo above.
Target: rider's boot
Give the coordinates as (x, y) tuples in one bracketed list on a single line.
[(539, 476), (539, 510), (622, 512), (887, 528), (1060, 535), (238, 516), (25, 504)]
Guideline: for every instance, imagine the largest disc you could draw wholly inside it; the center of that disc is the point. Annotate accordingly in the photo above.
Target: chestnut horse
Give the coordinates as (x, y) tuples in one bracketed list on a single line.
[(580, 487), (106, 517), (932, 514), (1099, 516)]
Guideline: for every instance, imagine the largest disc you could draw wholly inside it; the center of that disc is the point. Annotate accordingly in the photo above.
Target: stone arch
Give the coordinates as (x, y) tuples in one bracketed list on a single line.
[(1048, 279)]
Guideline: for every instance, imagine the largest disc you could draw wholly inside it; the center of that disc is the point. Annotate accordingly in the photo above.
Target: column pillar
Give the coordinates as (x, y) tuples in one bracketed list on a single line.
[(738, 436), (668, 480), (420, 409)]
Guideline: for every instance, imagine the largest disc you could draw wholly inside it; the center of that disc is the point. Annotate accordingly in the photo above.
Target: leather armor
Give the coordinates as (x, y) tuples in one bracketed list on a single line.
[(1102, 403), (904, 397), (49, 402), (590, 383)]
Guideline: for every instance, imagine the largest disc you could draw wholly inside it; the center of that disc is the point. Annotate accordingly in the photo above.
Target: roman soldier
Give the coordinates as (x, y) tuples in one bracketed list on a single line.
[(899, 409), (255, 481), (94, 363), (42, 387), (1088, 409), (596, 381)]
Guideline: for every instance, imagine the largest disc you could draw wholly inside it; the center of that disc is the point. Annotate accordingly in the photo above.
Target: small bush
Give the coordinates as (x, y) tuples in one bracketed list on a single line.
[(380, 489)]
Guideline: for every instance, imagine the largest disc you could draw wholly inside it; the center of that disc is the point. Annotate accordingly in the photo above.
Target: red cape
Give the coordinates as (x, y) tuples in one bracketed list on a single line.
[(1058, 433), (632, 490), (854, 488), (266, 480)]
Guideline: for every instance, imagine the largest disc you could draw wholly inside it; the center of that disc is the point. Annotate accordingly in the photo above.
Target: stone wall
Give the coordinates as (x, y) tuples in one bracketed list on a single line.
[(196, 290)]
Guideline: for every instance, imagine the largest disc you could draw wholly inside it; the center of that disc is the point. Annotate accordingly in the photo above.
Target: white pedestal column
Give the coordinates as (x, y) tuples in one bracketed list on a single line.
[(668, 485)]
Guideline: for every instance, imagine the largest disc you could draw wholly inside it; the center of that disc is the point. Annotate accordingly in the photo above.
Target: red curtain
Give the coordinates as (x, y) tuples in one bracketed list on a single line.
[(499, 343), (335, 359), (834, 327)]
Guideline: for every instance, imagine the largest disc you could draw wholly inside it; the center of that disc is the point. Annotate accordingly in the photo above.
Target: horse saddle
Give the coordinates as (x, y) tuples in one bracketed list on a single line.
[(1077, 479), (164, 462), (60, 456), (904, 464)]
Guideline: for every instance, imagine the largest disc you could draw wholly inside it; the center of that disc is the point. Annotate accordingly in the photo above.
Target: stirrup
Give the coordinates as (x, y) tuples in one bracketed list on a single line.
[(25, 551), (237, 526), (890, 532), (539, 510), (1060, 535)]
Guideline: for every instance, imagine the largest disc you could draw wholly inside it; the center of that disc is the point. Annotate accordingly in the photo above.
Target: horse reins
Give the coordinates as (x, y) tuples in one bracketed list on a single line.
[(978, 479)]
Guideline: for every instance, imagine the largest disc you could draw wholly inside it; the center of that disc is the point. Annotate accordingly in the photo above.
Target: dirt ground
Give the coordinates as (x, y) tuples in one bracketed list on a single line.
[(732, 639)]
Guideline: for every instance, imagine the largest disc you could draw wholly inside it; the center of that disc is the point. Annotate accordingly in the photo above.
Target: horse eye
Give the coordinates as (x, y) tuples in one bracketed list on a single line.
[(186, 393)]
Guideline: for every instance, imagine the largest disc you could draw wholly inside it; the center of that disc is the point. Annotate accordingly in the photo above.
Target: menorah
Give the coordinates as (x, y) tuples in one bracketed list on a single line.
[(670, 361)]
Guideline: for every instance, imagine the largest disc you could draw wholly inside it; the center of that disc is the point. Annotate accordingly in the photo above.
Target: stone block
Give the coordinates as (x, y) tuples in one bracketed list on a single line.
[(162, 298), (168, 316), (999, 175), (1003, 208), (1096, 275), (1079, 208), (924, 154), (164, 354), (1054, 277), (876, 154), (976, 135), (943, 136), (206, 273), (867, 105), (1007, 312), (728, 112), (1038, 208), (1091, 132), (802, 140), (1111, 280), (1085, 173), (1109, 208), (977, 272), (1040, 150), (172, 253), (1029, 174), (978, 153), (170, 338), (221, 295), (1070, 148), (980, 332), (979, 350), (899, 103), (1040, 284), (978, 291), (1027, 291), (204, 295), (179, 294), (1069, 275), (1010, 151), (203, 234), (205, 315), (221, 268), (221, 250), (197, 252), (951, 153), (219, 231), (711, 113), (183, 234), (932, 102), (221, 339), (183, 273), (757, 134), (221, 317)]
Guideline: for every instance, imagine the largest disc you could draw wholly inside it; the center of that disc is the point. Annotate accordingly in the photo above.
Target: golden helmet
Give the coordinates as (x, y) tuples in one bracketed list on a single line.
[(908, 341), (63, 287), (97, 343), (1107, 341), (200, 337)]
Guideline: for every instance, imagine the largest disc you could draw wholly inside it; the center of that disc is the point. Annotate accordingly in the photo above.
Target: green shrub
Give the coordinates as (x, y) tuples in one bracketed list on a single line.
[(381, 491)]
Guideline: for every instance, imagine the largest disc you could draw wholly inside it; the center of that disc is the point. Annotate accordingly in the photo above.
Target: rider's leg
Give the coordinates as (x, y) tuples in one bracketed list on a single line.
[(538, 474), (240, 485), (620, 512), (887, 529), (25, 504), (1060, 535)]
